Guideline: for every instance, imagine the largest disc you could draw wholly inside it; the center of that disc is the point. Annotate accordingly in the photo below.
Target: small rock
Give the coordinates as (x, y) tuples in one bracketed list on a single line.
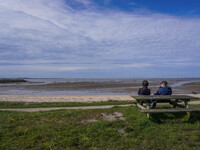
[(121, 131), (113, 117), (89, 121)]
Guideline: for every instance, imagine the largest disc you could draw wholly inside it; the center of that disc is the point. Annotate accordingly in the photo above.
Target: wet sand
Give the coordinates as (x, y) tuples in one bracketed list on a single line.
[(123, 87)]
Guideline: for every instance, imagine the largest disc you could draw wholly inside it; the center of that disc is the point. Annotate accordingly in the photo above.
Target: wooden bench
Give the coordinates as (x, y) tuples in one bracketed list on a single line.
[(170, 99)]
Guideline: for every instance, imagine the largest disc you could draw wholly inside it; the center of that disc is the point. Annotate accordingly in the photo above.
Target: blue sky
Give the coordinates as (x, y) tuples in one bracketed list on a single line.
[(99, 38)]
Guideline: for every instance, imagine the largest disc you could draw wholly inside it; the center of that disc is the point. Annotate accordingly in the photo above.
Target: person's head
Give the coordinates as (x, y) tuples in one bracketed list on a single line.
[(163, 83), (145, 83)]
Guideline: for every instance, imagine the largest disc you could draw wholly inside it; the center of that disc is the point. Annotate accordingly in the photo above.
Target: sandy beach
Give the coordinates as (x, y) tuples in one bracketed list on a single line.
[(68, 98), (64, 98)]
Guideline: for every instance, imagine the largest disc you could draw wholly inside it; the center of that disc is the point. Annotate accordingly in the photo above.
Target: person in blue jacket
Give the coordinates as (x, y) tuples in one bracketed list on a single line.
[(163, 90)]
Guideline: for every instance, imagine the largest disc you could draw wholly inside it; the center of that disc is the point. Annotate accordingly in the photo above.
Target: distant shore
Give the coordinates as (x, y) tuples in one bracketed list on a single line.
[(8, 80)]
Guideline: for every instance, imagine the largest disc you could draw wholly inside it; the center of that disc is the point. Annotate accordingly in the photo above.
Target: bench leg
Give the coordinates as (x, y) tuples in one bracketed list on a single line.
[(187, 106), (148, 106), (175, 103)]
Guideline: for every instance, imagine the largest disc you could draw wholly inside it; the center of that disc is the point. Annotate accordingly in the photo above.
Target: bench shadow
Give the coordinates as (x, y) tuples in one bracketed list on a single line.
[(195, 116), (180, 117)]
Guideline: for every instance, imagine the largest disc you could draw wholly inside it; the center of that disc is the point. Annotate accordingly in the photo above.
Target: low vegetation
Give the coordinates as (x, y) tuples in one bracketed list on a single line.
[(87, 129), (12, 80), (58, 104)]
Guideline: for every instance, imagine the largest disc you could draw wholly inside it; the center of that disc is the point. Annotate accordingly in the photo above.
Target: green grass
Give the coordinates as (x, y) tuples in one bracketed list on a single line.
[(195, 99), (59, 104), (63, 129), (11, 80)]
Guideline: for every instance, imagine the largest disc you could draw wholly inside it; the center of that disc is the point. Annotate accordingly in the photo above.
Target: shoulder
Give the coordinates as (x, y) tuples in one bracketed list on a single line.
[(169, 87), (146, 88)]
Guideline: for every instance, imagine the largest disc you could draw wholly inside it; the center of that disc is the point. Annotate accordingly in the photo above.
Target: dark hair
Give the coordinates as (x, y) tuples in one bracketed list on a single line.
[(164, 82), (145, 83)]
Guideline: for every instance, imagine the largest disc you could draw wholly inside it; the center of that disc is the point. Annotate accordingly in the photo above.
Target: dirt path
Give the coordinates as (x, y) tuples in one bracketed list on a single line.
[(61, 108)]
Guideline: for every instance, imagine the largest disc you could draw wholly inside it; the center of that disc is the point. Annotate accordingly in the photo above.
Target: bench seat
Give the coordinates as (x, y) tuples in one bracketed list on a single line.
[(171, 110)]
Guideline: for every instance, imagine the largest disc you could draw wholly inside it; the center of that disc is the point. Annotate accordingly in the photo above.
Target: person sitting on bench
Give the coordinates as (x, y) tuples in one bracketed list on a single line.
[(144, 90), (163, 90)]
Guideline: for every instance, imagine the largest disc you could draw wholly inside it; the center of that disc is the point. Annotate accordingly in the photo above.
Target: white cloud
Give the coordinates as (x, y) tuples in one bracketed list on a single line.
[(51, 31), (106, 2), (184, 64), (137, 65), (84, 2), (45, 68)]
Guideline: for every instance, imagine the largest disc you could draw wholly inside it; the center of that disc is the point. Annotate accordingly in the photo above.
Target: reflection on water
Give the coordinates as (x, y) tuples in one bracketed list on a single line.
[(183, 82)]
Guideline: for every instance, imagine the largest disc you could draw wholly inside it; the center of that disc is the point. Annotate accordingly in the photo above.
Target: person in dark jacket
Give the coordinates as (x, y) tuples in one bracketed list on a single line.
[(144, 90), (163, 90)]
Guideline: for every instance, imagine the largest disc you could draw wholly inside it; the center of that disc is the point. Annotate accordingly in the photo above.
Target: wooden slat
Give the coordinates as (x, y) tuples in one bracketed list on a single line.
[(177, 105), (160, 97), (140, 106), (143, 98), (170, 110)]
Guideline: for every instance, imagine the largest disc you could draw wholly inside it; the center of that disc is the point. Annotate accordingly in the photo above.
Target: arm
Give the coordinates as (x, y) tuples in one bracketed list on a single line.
[(158, 92), (170, 91), (139, 92), (149, 92)]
